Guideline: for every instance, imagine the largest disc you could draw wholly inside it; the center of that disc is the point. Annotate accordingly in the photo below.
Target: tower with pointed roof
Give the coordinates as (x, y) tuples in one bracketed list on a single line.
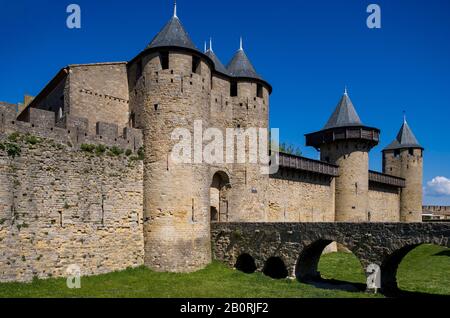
[(404, 158), (172, 85), (346, 142)]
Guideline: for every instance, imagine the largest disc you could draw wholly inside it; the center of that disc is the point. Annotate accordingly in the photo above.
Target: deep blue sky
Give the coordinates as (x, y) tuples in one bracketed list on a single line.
[(308, 51)]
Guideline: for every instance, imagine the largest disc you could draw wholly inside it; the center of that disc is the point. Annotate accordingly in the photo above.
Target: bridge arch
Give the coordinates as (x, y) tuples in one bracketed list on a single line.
[(390, 265), (275, 267), (245, 263), (306, 268)]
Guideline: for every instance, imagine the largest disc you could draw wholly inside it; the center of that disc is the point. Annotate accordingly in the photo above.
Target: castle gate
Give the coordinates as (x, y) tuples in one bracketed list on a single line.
[(300, 245)]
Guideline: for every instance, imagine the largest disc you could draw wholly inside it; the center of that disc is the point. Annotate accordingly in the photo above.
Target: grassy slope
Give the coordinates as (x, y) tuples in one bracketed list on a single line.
[(218, 281)]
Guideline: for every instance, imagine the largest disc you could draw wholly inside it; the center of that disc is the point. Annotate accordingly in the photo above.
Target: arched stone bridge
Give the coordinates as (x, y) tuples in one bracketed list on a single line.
[(300, 245)]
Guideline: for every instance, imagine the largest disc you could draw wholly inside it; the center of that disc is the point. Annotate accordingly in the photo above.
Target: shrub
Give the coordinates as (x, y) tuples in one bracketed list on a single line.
[(87, 148), (116, 151), (141, 153), (100, 149), (32, 140), (13, 149), (13, 137), (128, 152), (236, 235)]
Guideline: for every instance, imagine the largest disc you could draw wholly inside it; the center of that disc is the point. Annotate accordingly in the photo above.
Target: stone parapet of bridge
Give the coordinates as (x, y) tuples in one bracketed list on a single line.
[(300, 245)]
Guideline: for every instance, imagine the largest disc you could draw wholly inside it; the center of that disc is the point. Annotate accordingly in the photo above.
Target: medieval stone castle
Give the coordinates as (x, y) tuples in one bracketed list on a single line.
[(86, 176)]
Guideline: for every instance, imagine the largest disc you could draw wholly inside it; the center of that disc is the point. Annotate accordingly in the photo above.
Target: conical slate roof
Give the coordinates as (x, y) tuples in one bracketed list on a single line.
[(217, 63), (344, 115), (240, 66), (173, 34), (405, 139)]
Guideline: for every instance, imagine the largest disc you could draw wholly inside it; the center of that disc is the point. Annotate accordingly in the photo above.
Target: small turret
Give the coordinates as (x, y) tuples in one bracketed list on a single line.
[(173, 34), (404, 158), (219, 67), (240, 65), (346, 142)]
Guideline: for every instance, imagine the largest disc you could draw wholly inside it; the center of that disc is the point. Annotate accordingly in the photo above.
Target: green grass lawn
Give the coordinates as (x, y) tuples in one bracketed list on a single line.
[(422, 270)]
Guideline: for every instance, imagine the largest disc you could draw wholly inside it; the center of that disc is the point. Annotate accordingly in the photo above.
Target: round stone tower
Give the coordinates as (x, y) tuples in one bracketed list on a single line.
[(346, 142), (404, 158), (170, 86), (250, 101)]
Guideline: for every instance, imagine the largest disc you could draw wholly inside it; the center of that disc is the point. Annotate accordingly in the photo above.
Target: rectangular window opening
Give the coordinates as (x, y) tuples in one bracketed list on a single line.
[(196, 65), (139, 70), (259, 91), (164, 59), (233, 89)]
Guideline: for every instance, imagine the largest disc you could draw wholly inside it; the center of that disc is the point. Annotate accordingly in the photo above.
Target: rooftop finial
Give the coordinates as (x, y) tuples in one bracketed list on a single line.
[(404, 117), (345, 91), (175, 9), (205, 48), (240, 44), (210, 44)]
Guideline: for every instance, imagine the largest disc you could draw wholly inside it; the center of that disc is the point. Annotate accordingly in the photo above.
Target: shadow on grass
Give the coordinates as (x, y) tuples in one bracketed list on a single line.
[(443, 253), (334, 284), (412, 294)]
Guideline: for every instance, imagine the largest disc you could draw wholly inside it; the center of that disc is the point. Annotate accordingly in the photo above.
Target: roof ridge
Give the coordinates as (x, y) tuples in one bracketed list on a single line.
[(173, 34), (240, 66), (404, 139), (344, 114)]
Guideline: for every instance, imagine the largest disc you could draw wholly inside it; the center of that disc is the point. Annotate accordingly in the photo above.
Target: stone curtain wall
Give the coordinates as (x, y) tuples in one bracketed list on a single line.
[(295, 196), (384, 203), (61, 206)]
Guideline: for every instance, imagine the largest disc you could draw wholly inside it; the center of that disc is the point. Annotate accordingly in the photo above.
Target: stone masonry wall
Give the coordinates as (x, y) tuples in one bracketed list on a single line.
[(384, 203), (352, 184), (61, 206), (296, 196), (99, 92)]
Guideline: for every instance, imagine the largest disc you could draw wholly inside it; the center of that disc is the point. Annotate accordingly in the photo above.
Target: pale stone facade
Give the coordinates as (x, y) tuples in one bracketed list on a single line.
[(105, 210), (60, 206)]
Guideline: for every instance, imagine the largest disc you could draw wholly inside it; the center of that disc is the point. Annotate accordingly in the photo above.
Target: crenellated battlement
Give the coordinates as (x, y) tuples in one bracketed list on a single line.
[(70, 130)]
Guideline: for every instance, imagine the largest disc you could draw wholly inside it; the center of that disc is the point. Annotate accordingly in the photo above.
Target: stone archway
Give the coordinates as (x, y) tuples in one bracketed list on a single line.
[(308, 261), (275, 267), (349, 279), (219, 197), (390, 270), (245, 263)]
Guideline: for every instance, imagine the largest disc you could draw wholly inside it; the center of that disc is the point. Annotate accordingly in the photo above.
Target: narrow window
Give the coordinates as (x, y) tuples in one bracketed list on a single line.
[(196, 65), (133, 120), (411, 152), (193, 212), (259, 91), (233, 89), (138, 70), (164, 58), (396, 153)]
